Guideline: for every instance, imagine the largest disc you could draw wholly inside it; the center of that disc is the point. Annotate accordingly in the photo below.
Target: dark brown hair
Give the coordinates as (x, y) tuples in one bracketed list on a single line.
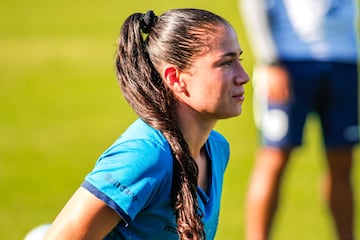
[(147, 41)]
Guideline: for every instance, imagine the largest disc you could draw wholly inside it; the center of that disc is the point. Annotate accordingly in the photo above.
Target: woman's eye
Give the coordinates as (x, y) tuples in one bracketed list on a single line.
[(231, 62), (228, 63)]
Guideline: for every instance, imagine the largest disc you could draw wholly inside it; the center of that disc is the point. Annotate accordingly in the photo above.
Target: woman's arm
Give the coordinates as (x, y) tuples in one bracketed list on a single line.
[(83, 217)]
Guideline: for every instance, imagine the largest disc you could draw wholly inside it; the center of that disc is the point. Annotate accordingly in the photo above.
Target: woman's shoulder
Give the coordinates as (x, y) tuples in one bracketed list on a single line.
[(139, 130), (218, 147), (139, 143), (217, 137)]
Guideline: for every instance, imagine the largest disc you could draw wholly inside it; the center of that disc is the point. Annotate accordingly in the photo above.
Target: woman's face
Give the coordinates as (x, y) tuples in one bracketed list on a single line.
[(215, 81)]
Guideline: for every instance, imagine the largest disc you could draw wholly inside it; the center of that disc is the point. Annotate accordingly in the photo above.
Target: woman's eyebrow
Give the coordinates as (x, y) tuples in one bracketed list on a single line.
[(232, 54)]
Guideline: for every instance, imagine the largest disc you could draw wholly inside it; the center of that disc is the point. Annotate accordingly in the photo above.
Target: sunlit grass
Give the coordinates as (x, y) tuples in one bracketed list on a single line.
[(61, 107)]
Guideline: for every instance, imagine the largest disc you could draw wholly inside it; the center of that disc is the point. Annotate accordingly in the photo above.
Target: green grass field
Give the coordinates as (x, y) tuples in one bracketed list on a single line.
[(61, 107)]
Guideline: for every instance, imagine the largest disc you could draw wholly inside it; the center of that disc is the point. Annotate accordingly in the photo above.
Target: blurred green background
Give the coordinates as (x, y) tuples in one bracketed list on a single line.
[(61, 107)]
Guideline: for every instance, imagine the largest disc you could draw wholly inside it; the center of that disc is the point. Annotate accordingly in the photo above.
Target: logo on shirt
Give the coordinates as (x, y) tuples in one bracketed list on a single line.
[(170, 229), (121, 187)]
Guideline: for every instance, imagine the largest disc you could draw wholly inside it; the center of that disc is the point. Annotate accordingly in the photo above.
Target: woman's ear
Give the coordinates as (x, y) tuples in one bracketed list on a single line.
[(172, 78)]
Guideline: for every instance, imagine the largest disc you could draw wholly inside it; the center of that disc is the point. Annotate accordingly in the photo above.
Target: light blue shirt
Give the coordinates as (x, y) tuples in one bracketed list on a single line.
[(134, 177), (324, 30)]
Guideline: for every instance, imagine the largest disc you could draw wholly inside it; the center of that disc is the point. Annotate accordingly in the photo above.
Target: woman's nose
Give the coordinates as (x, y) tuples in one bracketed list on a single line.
[(241, 76)]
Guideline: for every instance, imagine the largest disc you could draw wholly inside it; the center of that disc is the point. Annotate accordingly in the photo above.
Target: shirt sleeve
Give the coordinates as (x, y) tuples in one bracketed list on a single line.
[(128, 176), (257, 26)]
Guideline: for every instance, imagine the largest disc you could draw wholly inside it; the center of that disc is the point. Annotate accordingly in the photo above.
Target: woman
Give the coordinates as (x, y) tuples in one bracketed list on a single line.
[(162, 179)]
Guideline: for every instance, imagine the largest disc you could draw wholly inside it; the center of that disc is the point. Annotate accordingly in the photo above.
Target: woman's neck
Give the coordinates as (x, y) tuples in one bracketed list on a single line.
[(195, 128)]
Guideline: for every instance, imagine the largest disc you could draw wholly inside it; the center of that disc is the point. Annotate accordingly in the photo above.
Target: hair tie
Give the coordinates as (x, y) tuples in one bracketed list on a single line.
[(147, 21)]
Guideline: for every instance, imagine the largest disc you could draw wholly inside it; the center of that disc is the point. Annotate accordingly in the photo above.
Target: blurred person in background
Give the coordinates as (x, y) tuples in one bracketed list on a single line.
[(306, 62)]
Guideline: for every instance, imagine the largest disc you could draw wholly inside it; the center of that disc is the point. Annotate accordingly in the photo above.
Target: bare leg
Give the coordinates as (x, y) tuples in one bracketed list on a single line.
[(339, 191), (262, 198)]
